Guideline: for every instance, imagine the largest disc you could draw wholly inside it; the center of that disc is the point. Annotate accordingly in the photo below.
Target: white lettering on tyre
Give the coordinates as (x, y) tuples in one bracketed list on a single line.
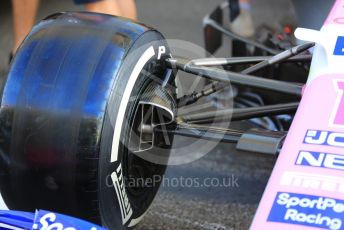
[(118, 183), (162, 50)]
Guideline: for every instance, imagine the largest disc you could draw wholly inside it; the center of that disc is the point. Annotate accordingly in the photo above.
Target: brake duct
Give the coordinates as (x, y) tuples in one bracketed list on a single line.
[(156, 109)]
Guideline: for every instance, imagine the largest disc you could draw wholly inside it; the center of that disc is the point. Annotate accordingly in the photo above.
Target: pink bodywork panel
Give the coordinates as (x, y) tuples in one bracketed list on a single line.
[(306, 188)]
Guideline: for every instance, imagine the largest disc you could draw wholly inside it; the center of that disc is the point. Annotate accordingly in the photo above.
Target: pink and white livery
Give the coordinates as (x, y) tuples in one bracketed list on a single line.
[(306, 188)]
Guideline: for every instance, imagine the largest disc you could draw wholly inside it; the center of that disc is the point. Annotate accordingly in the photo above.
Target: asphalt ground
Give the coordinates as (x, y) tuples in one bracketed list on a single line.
[(185, 201)]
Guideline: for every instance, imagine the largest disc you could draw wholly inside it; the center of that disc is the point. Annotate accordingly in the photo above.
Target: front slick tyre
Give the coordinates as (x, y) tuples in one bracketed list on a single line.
[(133, 179), (77, 93)]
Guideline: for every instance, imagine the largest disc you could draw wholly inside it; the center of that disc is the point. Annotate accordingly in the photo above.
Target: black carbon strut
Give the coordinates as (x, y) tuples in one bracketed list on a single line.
[(245, 60), (236, 114)]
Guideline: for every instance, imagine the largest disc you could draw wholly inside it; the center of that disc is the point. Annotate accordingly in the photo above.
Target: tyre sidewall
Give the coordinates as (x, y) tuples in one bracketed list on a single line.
[(116, 208)]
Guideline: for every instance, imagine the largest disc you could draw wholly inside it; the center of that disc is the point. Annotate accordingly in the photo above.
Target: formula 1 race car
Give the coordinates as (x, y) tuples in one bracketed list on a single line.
[(91, 104)]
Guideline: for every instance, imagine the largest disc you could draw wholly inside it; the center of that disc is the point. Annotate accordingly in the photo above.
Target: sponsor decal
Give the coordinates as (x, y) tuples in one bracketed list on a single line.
[(316, 137), (339, 48), (313, 181), (307, 210), (318, 159), (45, 220), (42, 220), (118, 182)]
